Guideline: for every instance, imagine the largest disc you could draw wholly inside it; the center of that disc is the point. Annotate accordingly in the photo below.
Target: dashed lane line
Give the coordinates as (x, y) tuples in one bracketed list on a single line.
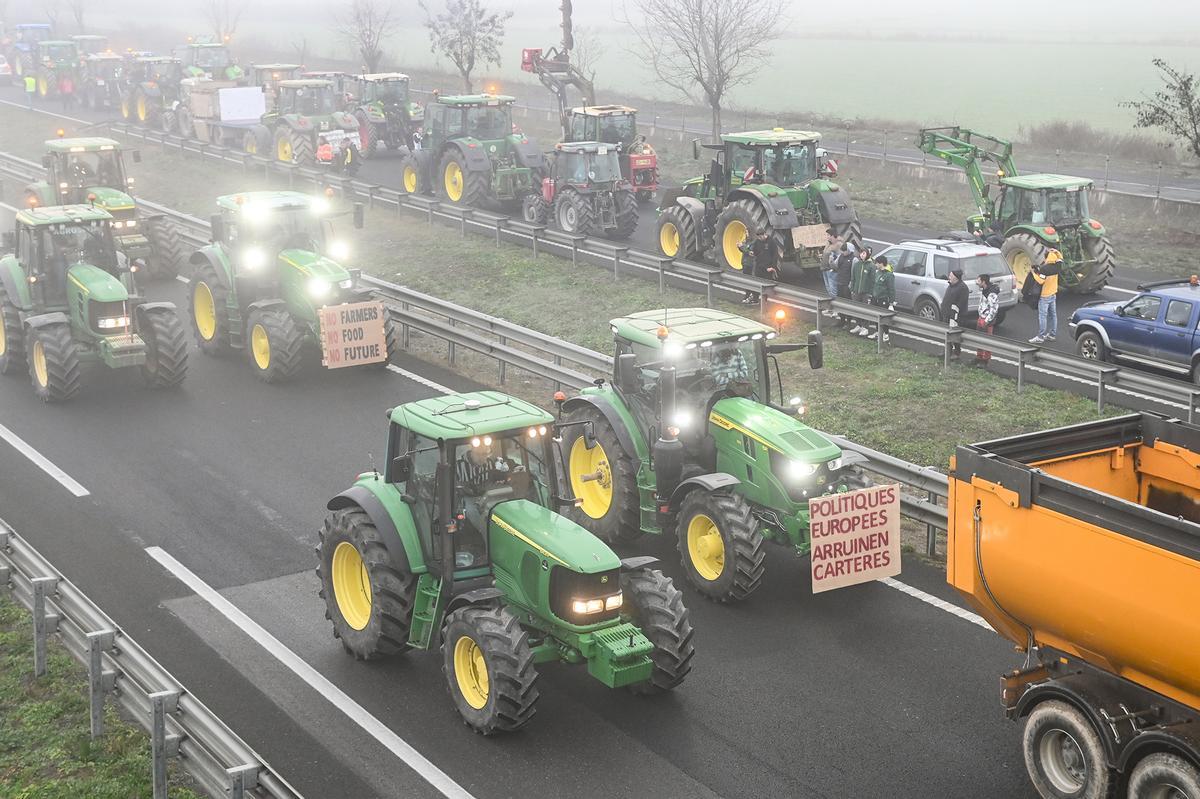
[(940, 604), (42, 462)]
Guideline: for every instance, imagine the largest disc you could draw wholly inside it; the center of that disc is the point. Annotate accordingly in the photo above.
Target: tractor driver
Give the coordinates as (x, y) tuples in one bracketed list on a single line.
[(79, 169), (730, 371), (477, 472)]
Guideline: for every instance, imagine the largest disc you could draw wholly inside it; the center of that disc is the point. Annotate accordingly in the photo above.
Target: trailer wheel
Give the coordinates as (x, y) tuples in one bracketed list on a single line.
[(166, 348), (12, 337), (54, 362), (1163, 775), (489, 668), (1064, 755), (604, 478), (653, 603), (720, 546)]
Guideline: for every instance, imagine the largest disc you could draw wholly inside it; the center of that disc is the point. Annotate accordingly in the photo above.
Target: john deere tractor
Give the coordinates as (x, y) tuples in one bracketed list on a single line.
[(151, 91), (459, 545), (91, 43), (55, 60), (470, 153), (307, 126), (1034, 213), (269, 76), (689, 439), (91, 170), (772, 179), (585, 193), (68, 297), (386, 114), (100, 81), (273, 263), (209, 60)]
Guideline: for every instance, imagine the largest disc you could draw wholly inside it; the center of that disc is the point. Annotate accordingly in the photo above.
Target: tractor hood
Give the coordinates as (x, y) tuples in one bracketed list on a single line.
[(555, 537), (98, 285), (774, 429), (110, 199), (314, 265)]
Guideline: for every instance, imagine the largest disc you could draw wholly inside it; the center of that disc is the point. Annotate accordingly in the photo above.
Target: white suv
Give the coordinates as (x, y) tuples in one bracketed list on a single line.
[(922, 269)]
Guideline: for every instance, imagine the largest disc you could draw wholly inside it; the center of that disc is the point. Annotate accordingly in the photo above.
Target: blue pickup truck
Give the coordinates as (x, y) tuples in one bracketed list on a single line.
[(1159, 327)]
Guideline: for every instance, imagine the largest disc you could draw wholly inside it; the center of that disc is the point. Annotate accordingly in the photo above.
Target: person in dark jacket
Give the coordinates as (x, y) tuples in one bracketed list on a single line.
[(989, 310), (760, 258), (883, 290), (845, 271), (954, 306), (862, 283)]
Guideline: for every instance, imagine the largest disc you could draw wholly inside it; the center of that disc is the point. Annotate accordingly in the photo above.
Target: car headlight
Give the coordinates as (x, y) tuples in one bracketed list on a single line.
[(339, 249), (112, 322), (254, 258), (318, 287), (798, 470)]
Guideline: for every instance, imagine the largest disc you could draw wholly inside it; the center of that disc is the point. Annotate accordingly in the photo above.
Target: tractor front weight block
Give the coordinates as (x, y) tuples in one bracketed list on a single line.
[(619, 656), (123, 350)]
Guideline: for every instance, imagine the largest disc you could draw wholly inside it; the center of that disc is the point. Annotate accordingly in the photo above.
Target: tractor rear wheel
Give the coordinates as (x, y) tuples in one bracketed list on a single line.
[(54, 362), (720, 545), (43, 87), (573, 213), (489, 668), (677, 233), (275, 345), (850, 232), (737, 222), (141, 107), (368, 596), (653, 603), (257, 141), (126, 108), (414, 178), (535, 210), (12, 337), (209, 311), (459, 185), (605, 478), (627, 215), (368, 137), (166, 348), (166, 248), (1023, 251), (166, 121), (1100, 251)]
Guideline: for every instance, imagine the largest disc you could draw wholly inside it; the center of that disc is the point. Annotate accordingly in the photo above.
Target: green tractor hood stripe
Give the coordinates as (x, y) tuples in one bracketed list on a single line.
[(556, 537), (773, 429), (314, 264)]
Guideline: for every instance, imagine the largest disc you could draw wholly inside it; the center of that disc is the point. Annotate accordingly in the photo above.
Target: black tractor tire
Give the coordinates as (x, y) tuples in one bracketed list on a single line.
[(1089, 345), (184, 124), (274, 345), (1023, 250), (653, 603), (1101, 251), (739, 568), (621, 519), (928, 310), (677, 234), (491, 638), (368, 136), (573, 213), (850, 232), (257, 141), (56, 375), (126, 107), (303, 150), (166, 249), (999, 320), (475, 185), (1164, 774), (207, 287), (391, 339), (143, 108), (166, 348), (627, 215), (414, 179), (390, 591), (1064, 754), (535, 210), (737, 220), (12, 336), (166, 121), (645, 196)]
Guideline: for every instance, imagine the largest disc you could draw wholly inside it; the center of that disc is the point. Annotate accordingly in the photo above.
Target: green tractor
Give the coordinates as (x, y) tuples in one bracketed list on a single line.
[(68, 297), (470, 153), (386, 114), (273, 264), (459, 545), (91, 170), (307, 126), (585, 193), (776, 179), (55, 60), (209, 60), (688, 437), (151, 91), (91, 43), (1034, 213)]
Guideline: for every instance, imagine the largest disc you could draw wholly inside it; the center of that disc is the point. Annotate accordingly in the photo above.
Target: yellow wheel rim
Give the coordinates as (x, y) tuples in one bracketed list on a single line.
[(410, 179), (43, 87), (591, 478), (735, 234), (470, 672), (40, 372), (454, 181), (668, 239), (204, 311), (251, 145), (351, 585), (260, 345), (706, 550), (124, 109), (142, 110), (3, 338), (283, 150), (1021, 264)]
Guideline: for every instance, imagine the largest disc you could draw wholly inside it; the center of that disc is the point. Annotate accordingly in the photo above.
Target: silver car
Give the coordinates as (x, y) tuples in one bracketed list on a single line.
[(922, 269)]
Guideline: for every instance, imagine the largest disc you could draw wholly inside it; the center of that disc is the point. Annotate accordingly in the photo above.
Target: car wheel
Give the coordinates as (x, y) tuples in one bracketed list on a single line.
[(927, 309), (1090, 346)]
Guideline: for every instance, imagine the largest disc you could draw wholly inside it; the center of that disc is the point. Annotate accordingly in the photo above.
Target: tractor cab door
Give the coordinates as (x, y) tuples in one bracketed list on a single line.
[(641, 387), (579, 128), (413, 465), (1007, 213)]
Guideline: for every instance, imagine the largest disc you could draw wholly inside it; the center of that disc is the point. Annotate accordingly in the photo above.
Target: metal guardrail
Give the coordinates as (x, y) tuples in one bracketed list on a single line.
[(180, 726)]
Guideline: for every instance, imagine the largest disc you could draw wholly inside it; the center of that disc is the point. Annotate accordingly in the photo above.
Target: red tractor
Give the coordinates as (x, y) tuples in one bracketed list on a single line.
[(585, 193)]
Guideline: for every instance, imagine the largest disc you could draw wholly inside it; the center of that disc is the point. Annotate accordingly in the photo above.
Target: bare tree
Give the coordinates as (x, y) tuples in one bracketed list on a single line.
[(223, 17), (1175, 108), (366, 24), (78, 9), (52, 8), (704, 48), (300, 48), (467, 33), (588, 51)]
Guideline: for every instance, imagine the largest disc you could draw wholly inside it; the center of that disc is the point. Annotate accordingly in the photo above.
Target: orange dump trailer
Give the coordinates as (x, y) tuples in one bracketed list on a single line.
[(1082, 546)]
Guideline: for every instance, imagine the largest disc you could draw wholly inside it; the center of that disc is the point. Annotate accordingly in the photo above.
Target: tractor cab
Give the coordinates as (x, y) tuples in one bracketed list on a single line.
[(161, 70), (779, 158), (55, 54), (340, 80), (56, 243), (85, 170), (585, 164), (486, 117), (209, 60), (1043, 201), (103, 67), (307, 98), (614, 124), (30, 33), (90, 43), (388, 88), (269, 76)]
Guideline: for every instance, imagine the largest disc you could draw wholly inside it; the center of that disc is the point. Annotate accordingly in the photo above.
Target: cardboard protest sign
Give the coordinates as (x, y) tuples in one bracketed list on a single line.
[(352, 334), (855, 537)]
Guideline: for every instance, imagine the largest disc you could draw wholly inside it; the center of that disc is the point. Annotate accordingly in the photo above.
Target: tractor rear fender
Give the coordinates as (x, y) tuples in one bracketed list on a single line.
[(710, 483), (14, 282), (473, 158), (396, 526), (215, 257), (264, 305), (140, 310), (526, 153), (695, 209), (1037, 231), (1094, 327), (779, 208), (836, 208), (622, 423), (477, 596), (638, 563), (43, 319)]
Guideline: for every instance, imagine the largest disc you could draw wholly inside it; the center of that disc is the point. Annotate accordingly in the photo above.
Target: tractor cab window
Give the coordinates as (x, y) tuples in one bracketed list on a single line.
[(1008, 205), (392, 92), (489, 122), (289, 230), (211, 57), (604, 168), (25, 250), (744, 158), (424, 454), (1066, 207), (309, 101), (727, 366), (60, 52), (88, 243), (34, 34), (1031, 207), (579, 128), (617, 129), (96, 168), (789, 166)]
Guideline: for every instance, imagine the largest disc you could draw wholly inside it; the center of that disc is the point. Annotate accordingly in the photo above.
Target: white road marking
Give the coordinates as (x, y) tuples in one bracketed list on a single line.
[(42, 462), (425, 381), (183, 279), (37, 110), (941, 604), (441, 781)]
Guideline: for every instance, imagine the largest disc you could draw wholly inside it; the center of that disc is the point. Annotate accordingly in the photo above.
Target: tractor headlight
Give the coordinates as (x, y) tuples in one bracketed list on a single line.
[(254, 258), (798, 470), (112, 322), (320, 206), (834, 464), (586, 607), (339, 249), (682, 419), (319, 288), (347, 283)]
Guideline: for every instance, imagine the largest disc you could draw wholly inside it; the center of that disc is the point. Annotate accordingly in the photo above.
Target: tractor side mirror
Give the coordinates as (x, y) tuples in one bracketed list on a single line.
[(359, 218), (627, 374), (136, 155), (816, 350), (695, 149), (8, 241), (217, 224), (47, 161)]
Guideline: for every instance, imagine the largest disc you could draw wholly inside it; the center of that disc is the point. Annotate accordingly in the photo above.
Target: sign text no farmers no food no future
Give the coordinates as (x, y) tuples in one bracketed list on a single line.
[(855, 537), (352, 334)]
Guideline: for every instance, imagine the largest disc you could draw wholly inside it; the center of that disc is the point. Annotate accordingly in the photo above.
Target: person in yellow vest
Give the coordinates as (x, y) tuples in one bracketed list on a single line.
[(1046, 276), (30, 88)]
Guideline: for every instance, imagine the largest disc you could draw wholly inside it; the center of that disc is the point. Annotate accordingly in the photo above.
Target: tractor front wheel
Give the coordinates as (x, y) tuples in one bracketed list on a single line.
[(141, 108), (368, 596), (736, 223), (720, 545), (459, 185), (12, 337), (677, 233), (489, 668), (54, 362), (166, 248), (653, 603), (209, 311), (1104, 265), (627, 215), (275, 345), (414, 178), (1023, 251), (604, 477), (126, 108), (166, 348)]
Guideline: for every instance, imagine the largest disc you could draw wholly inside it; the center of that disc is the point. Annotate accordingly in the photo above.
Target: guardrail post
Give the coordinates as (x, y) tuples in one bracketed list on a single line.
[(1191, 413), (242, 779), (450, 351), (534, 230), (575, 242), (162, 745), (930, 530), (500, 224), (99, 682), (883, 324), (42, 626), (617, 253), (824, 304), (1022, 355), (503, 366), (708, 284), (953, 336), (462, 221), (1102, 376), (404, 327)]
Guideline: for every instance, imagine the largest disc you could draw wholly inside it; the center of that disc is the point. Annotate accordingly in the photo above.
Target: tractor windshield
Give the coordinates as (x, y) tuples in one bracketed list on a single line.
[(95, 168), (287, 229), (211, 57), (1066, 207), (104, 67), (38, 34), (729, 366), (88, 243), (97, 45), (618, 128), (604, 168), (392, 92), (781, 165), (313, 101), (60, 52), (489, 122)]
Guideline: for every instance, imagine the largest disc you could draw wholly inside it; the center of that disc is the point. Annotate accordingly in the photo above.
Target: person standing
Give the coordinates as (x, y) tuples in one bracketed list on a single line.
[(989, 309), (1046, 276), (30, 89), (954, 306), (845, 268), (749, 264), (66, 91), (883, 290), (829, 264), (862, 277)]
